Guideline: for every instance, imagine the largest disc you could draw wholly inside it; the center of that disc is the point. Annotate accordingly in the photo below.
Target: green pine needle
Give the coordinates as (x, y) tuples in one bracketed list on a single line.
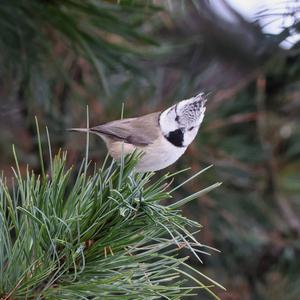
[(104, 236)]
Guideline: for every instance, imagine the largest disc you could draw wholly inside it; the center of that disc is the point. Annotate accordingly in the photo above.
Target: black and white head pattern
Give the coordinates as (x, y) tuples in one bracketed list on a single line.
[(180, 123)]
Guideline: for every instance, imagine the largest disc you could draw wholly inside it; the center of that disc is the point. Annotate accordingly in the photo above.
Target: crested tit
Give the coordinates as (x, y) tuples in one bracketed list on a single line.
[(162, 136)]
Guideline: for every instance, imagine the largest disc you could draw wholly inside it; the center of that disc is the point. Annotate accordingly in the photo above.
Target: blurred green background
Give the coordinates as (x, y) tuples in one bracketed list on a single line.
[(57, 57)]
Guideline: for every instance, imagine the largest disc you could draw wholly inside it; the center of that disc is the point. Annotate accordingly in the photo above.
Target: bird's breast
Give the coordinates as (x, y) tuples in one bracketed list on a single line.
[(159, 155), (156, 156)]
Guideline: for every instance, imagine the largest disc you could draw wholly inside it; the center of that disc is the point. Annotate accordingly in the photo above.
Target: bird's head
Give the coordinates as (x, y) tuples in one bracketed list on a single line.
[(180, 123)]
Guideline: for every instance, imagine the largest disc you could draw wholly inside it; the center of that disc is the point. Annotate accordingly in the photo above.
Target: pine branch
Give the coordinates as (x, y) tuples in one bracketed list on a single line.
[(104, 236)]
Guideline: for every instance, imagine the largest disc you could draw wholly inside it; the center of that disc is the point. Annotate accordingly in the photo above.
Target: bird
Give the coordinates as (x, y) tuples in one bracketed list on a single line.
[(162, 136)]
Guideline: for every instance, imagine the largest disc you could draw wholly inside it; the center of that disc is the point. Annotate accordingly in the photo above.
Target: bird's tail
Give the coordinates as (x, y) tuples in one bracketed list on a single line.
[(79, 129)]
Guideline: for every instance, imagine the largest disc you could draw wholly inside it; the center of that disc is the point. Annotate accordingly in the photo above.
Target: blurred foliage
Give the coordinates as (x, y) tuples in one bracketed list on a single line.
[(153, 54)]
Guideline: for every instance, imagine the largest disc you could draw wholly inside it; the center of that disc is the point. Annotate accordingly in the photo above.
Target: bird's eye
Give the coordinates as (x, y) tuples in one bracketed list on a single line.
[(191, 128), (177, 119)]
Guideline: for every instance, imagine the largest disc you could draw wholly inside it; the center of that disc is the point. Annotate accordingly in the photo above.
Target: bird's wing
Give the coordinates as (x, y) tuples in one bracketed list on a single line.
[(140, 131)]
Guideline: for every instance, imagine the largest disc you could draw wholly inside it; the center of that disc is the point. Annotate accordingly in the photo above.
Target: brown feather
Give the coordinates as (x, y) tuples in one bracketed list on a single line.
[(140, 131)]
